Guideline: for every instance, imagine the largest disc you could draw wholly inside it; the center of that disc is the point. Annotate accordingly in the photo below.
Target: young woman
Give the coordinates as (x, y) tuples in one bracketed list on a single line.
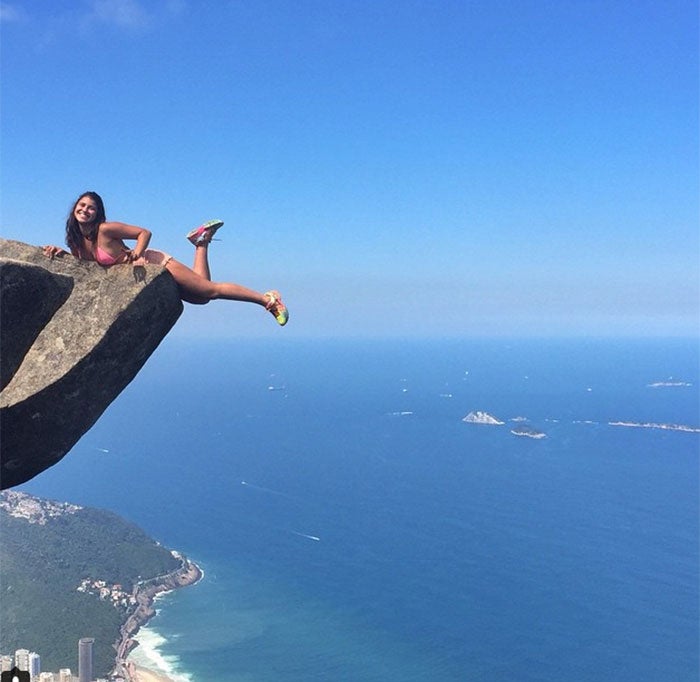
[(90, 237)]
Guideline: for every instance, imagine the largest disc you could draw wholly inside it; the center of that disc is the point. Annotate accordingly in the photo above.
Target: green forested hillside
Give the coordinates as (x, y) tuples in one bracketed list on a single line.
[(41, 566)]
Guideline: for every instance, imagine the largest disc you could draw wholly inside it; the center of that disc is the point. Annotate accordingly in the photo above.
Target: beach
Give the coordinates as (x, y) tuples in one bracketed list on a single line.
[(145, 594), (140, 674)]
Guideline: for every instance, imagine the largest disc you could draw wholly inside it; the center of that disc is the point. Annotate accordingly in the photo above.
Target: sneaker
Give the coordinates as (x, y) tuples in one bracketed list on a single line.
[(277, 308), (204, 233)]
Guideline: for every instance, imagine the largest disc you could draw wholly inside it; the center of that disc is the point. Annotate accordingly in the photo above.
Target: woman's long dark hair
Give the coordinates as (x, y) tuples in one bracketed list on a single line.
[(74, 237)]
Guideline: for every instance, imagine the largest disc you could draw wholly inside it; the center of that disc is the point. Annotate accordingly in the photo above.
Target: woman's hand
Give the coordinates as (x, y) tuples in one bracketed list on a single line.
[(133, 255), (51, 251)]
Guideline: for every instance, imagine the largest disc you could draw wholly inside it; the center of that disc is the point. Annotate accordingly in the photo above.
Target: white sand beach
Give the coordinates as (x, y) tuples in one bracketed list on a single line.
[(140, 674)]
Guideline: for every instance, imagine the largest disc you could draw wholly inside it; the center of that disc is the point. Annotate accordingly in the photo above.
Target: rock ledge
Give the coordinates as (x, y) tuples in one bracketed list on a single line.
[(73, 334)]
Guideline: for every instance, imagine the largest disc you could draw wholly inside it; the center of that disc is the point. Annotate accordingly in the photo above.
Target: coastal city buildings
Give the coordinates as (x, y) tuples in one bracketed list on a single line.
[(29, 661), (114, 594), (23, 660)]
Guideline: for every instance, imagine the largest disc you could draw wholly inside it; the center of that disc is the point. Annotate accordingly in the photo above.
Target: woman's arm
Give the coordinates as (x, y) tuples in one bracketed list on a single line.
[(123, 231), (51, 251)]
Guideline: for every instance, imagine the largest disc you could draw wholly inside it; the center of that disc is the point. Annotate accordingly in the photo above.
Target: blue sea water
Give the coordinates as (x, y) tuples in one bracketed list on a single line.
[(353, 528)]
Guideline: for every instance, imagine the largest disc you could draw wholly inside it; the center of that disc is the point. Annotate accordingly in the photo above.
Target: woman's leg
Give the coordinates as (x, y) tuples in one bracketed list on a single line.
[(201, 238), (201, 260), (195, 288)]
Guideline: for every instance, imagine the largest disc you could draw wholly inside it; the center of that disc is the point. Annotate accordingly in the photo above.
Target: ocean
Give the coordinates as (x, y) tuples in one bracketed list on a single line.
[(352, 527)]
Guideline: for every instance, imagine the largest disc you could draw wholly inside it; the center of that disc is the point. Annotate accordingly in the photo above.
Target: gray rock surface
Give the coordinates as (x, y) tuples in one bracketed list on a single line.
[(73, 334)]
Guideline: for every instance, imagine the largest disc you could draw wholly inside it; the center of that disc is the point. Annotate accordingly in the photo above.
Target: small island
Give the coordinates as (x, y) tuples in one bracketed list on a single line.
[(528, 432), (668, 384), (479, 417), (653, 425)]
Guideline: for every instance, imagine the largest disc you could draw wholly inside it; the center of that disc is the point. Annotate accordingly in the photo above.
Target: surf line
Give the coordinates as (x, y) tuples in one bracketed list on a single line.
[(309, 537)]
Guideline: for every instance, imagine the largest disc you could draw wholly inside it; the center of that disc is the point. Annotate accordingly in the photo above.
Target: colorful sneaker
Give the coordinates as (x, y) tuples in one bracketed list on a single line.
[(204, 233), (276, 307)]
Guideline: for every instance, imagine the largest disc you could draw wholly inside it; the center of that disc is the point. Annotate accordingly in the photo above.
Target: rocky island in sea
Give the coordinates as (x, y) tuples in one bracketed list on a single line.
[(669, 383), (479, 417), (528, 432), (654, 425), (88, 570)]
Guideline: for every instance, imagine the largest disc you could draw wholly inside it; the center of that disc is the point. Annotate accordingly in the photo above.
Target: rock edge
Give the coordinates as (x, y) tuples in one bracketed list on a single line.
[(73, 335)]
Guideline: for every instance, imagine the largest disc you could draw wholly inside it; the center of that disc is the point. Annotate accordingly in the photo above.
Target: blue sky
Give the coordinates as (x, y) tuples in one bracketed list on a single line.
[(394, 168)]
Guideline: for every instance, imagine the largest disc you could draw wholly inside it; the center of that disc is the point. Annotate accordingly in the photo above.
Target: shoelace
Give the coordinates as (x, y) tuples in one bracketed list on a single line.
[(273, 304)]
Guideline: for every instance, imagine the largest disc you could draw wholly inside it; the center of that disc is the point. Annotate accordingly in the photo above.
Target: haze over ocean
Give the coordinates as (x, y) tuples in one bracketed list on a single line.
[(352, 527)]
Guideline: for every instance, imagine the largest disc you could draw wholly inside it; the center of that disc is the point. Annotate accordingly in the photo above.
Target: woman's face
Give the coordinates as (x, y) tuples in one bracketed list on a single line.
[(85, 210)]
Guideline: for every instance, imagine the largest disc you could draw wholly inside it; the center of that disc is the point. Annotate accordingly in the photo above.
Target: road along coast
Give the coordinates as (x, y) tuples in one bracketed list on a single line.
[(145, 593)]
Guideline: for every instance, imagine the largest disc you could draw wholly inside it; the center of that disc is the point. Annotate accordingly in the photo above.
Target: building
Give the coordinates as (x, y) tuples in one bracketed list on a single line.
[(65, 675), (85, 659), (34, 666), (6, 663), (47, 677), (22, 659)]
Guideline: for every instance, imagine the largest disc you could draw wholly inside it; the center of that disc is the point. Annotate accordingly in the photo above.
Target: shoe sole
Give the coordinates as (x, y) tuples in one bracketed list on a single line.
[(215, 224)]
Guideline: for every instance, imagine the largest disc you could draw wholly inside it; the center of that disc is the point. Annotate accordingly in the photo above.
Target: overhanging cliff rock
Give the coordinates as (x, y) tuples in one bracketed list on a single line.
[(73, 334)]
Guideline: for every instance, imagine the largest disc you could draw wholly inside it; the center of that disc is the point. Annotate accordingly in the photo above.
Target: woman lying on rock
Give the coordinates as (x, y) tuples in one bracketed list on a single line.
[(90, 237)]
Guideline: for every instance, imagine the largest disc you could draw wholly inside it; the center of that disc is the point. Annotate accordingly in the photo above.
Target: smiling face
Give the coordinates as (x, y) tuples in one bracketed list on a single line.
[(83, 222), (85, 210)]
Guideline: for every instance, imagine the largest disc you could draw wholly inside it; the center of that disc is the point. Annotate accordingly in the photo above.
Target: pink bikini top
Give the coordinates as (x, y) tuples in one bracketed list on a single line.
[(103, 258)]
